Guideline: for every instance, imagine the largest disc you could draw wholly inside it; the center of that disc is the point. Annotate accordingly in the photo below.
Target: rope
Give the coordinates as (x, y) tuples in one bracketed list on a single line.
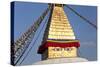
[(34, 42), (29, 42), (85, 19)]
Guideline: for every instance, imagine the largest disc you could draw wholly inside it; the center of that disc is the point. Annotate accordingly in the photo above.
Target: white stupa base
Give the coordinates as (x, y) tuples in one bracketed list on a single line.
[(62, 60)]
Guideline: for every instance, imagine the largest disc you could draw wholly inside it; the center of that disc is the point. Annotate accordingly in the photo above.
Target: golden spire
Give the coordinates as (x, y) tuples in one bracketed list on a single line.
[(60, 27)]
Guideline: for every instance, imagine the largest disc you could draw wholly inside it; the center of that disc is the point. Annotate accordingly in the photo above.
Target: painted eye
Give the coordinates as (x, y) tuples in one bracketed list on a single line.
[(53, 49), (68, 49), (57, 49)]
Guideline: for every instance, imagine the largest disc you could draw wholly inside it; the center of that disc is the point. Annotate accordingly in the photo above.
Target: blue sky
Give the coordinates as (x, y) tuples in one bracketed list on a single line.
[(26, 13)]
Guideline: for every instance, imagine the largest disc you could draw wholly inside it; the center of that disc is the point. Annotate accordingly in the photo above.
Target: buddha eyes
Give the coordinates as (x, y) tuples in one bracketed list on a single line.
[(57, 49), (60, 49), (68, 49)]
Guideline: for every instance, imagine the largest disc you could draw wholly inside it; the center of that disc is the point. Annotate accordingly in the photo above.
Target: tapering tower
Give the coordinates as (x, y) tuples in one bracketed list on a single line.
[(59, 40)]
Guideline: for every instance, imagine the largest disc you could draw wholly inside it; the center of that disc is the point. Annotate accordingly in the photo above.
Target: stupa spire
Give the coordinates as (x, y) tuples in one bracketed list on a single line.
[(59, 40)]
